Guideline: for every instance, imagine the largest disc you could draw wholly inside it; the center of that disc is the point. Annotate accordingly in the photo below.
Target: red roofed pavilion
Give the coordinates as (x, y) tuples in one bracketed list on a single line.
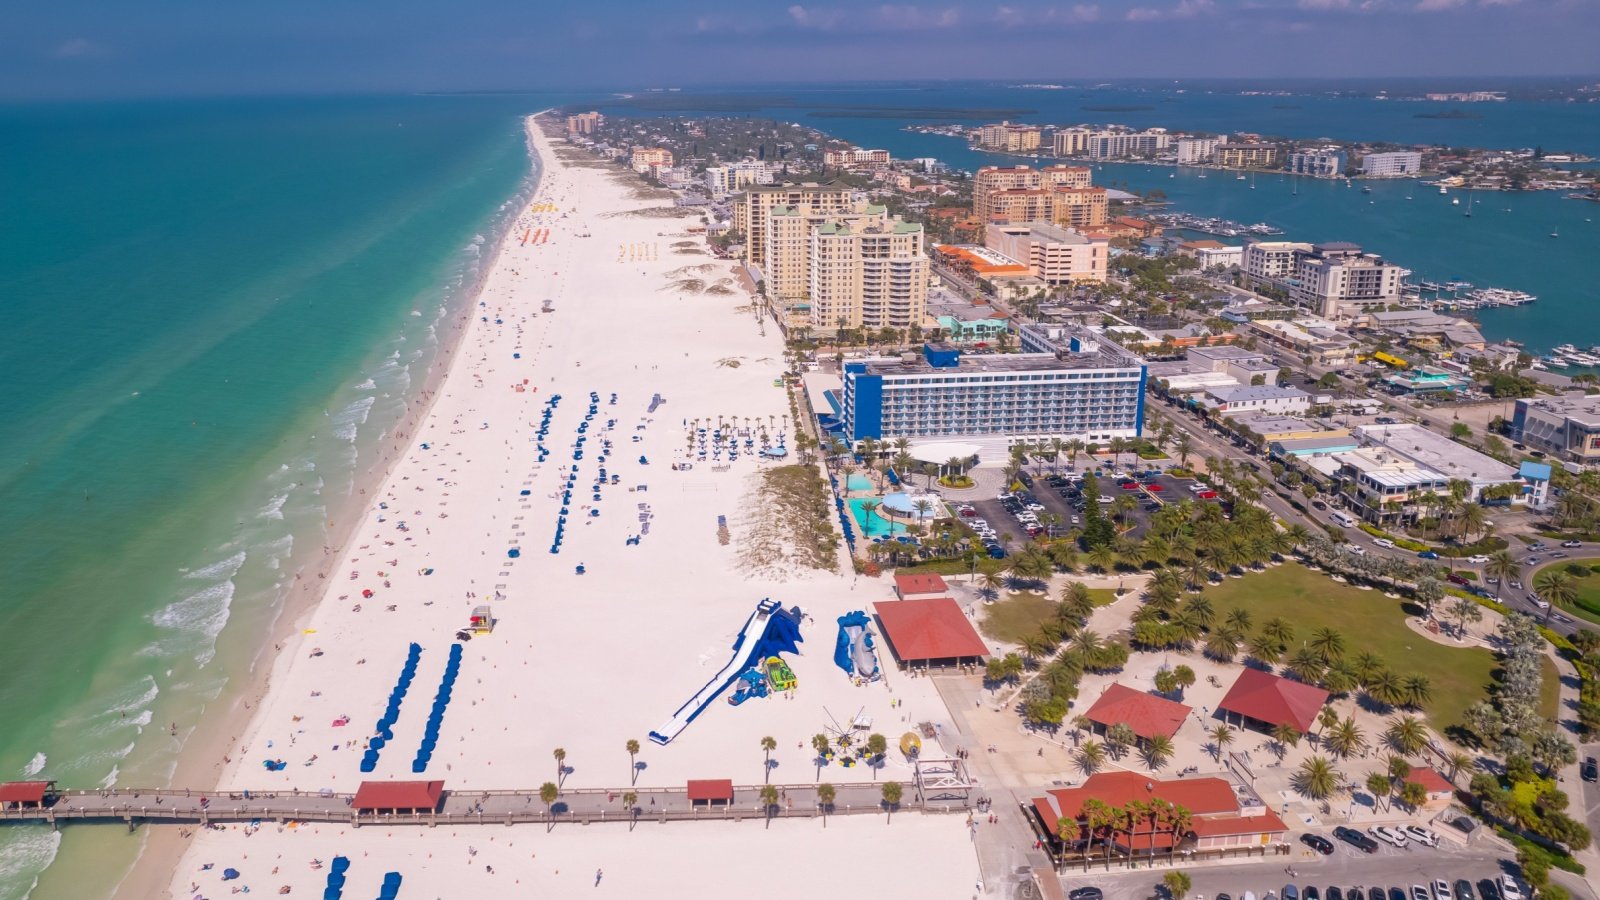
[(1217, 817), (1147, 714), (25, 794), (711, 791), (397, 796), (920, 585), (1265, 701), (930, 632)]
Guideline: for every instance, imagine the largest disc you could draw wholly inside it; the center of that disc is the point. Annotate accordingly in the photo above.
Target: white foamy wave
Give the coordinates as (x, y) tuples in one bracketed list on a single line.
[(202, 613), (223, 569), (367, 385), (148, 691), (346, 421), (34, 766), (416, 313), (24, 853), (478, 240), (110, 781), (274, 508), (142, 719)]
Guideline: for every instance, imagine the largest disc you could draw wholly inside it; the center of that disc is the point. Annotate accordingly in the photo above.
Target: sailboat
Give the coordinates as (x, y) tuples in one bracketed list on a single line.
[(1468, 213), (1252, 181), (1556, 233)]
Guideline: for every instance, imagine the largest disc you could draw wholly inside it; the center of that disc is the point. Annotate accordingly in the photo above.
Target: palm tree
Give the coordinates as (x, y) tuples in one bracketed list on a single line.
[(633, 766), (769, 801), (1119, 738), (548, 793), (1285, 736), (1418, 689), (1103, 558), (1407, 734), (1221, 737), (892, 792), (1345, 739), (1316, 778), (1555, 587), (1074, 447), (1091, 756), (1385, 687), (1238, 620), (819, 743), (768, 744), (630, 802), (1379, 786), (561, 764), (1157, 751), (1327, 644), (1502, 567), (1458, 761), (826, 793), (1222, 645), (1280, 631), (1184, 446)]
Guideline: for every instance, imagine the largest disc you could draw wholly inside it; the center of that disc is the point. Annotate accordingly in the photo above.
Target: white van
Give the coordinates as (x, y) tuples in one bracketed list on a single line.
[(1344, 518)]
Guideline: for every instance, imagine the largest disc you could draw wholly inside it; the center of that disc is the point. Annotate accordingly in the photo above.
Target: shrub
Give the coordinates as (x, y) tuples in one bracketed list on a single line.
[(1550, 856)]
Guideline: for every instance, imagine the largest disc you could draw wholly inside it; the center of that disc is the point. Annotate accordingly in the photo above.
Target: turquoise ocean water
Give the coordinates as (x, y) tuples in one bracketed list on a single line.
[(213, 314)]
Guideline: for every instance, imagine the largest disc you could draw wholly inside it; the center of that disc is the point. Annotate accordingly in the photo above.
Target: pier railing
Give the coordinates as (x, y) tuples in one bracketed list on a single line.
[(583, 806)]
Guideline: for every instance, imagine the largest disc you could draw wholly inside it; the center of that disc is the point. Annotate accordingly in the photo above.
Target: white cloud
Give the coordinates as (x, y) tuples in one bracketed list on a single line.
[(1083, 12), (1324, 4), (908, 18), (1186, 9), (814, 18), (1007, 15), (1438, 5), (1142, 14), (1498, 2), (76, 48)]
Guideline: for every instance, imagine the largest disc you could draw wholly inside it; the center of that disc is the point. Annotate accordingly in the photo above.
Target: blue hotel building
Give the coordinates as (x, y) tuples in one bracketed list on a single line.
[(1085, 388)]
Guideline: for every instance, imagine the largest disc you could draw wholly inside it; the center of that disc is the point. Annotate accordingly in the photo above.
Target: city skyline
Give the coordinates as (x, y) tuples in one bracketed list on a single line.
[(71, 50)]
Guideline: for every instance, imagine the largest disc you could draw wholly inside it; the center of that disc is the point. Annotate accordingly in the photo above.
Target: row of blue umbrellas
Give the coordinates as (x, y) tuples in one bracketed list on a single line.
[(430, 732), (335, 887), (384, 732)]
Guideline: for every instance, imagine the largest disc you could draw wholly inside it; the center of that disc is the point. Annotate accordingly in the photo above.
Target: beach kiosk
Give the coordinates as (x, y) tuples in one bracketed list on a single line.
[(26, 794), (482, 621), (710, 792), (396, 797)]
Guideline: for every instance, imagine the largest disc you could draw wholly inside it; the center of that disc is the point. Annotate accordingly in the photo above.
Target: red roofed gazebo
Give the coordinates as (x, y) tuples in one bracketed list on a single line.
[(920, 585), (930, 632), (25, 794), (1147, 714), (1266, 701), (711, 791), (398, 796)]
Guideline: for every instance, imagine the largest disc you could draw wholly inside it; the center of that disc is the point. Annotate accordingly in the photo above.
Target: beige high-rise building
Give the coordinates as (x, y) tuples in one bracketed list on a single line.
[(1246, 156), (785, 258), (1052, 254), (752, 208), (1070, 142), (1010, 138), (868, 275), (991, 183), (584, 123), (1083, 207), (646, 159)]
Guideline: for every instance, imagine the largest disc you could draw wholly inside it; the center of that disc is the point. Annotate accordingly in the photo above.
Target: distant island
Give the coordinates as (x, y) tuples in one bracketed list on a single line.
[(1447, 114), (1117, 108)]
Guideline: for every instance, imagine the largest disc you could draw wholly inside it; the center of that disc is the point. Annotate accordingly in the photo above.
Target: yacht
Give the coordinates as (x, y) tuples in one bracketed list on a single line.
[(1239, 178), (1455, 201), (1556, 233), (1443, 189)]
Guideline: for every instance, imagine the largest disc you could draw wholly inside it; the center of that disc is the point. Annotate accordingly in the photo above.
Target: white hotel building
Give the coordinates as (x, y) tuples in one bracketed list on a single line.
[(1085, 388)]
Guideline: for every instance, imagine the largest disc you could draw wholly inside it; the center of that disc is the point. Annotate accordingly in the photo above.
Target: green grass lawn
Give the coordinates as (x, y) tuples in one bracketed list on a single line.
[(1020, 614), (1369, 621), (1587, 582), (1550, 692)]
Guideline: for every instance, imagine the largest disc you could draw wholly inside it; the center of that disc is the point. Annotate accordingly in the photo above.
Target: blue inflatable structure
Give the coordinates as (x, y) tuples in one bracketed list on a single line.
[(779, 632), (855, 652)]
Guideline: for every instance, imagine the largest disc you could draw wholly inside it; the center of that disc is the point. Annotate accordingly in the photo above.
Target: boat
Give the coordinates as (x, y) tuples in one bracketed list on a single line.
[(1556, 233), (1443, 189), (1365, 189), (1468, 213), (1455, 201), (1239, 178)]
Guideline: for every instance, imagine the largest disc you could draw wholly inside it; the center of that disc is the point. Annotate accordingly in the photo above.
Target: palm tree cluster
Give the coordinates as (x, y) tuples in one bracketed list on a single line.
[(1111, 826), (1510, 723), (1047, 697)]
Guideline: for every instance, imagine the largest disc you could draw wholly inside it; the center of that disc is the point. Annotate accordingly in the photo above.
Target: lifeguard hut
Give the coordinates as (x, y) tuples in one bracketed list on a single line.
[(482, 621)]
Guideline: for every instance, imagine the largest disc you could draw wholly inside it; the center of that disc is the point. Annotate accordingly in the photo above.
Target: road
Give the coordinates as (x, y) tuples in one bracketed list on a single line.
[(1345, 869)]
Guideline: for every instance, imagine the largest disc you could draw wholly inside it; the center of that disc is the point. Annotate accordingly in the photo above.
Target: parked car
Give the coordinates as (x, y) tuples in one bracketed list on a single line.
[(1441, 889), (1488, 890), (1591, 769), (1463, 889), (1418, 892), (1356, 839), (1390, 836), (1422, 835), (1333, 893), (1309, 892), (1509, 888), (1086, 893), (1317, 842), (1207, 495)]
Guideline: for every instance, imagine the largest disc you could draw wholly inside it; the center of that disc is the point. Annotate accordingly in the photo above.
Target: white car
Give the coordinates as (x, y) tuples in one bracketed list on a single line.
[(1441, 889), (1509, 888), (1199, 486), (1478, 560), (1354, 549), (1385, 543), (1390, 836), (1422, 835), (1107, 500)]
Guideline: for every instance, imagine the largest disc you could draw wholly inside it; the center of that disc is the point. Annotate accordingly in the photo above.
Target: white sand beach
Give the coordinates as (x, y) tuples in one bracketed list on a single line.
[(602, 302)]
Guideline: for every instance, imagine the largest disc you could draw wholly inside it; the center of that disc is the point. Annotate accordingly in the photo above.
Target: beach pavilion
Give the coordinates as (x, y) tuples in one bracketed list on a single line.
[(25, 794), (930, 633), (710, 792), (398, 797), (920, 586), (1264, 701), (941, 452), (1148, 715)]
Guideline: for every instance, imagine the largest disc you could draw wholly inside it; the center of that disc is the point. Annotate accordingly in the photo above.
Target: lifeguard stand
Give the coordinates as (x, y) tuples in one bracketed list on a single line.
[(482, 621)]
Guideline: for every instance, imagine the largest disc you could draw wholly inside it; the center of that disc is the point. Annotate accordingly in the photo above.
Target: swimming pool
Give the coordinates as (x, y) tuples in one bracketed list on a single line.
[(858, 483), (872, 525)]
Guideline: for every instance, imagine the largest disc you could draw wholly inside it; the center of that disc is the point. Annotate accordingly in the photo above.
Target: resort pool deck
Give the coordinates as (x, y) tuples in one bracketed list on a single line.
[(858, 483), (872, 525)]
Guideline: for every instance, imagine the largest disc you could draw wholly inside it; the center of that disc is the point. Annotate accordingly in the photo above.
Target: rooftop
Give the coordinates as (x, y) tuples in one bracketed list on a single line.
[(1435, 451), (1584, 410), (1276, 701), (1248, 392), (1147, 714), (995, 362), (928, 629), (919, 583)]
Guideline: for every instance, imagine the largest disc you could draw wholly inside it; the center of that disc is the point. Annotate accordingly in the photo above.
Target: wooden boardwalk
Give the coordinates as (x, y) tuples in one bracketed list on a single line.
[(583, 806)]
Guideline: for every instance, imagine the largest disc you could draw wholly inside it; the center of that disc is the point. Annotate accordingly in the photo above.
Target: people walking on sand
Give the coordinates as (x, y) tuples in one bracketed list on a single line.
[(598, 874)]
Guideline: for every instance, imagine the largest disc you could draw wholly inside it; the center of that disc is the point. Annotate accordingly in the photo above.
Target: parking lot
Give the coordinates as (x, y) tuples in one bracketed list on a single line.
[(1052, 504)]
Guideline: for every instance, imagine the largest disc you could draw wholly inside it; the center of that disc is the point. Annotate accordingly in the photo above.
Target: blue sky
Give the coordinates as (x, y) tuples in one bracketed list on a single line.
[(84, 49)]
